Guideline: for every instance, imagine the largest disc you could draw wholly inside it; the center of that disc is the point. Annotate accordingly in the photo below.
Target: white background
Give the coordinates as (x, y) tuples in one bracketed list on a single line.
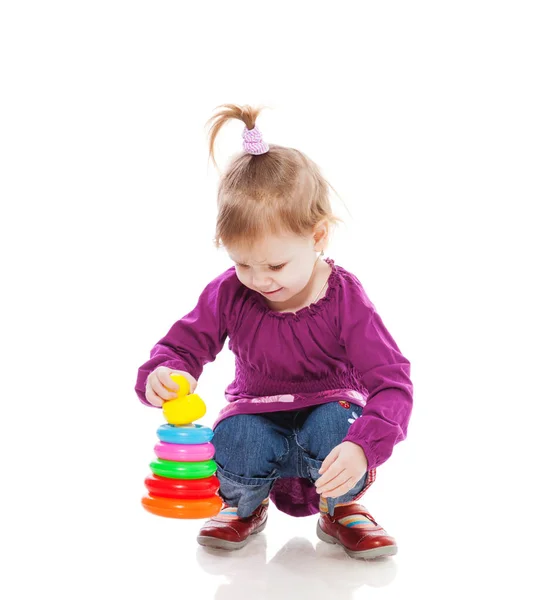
[(427, 119)]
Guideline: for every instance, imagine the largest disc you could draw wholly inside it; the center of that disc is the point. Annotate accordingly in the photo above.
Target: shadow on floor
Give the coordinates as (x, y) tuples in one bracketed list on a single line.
[(298, 570)]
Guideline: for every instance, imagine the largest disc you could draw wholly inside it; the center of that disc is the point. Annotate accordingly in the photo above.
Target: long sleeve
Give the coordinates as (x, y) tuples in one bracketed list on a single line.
[(194, 340), (384, 372)]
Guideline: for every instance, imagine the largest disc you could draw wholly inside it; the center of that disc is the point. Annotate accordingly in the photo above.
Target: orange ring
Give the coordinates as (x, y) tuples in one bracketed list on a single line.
[(179, 508)]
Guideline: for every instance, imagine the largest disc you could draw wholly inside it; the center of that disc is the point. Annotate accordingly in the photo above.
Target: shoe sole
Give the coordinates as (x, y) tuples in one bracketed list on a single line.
[(213, 542), (364, 554)]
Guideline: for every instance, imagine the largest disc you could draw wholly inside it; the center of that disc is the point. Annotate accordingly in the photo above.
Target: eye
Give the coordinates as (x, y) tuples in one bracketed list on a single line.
[(242, 266), (277, 267)]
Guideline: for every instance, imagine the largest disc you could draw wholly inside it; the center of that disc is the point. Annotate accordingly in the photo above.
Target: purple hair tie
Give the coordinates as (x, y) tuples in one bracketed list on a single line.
[(253, 141)]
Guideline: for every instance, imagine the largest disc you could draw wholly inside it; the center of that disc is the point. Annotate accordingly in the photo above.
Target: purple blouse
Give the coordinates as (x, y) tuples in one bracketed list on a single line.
[(335, 349)]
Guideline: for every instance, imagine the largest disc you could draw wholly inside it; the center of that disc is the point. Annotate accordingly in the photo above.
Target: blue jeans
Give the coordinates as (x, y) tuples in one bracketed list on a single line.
[(252, 451)]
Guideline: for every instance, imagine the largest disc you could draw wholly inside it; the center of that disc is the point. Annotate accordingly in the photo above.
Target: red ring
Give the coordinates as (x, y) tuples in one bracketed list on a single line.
[(166, 487)]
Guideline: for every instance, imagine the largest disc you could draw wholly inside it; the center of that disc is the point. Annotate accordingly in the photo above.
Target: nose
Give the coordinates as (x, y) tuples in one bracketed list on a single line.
[(262, 281)]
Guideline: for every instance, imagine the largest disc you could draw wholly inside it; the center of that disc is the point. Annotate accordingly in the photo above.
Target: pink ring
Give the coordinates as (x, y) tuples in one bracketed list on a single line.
[(184, 452)]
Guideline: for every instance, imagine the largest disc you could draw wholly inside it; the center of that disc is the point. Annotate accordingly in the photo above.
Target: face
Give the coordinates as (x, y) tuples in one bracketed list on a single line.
[(277, 267)]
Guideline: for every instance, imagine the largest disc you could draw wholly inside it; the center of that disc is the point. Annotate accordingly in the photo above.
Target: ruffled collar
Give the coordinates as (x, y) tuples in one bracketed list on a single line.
[(316, 307)]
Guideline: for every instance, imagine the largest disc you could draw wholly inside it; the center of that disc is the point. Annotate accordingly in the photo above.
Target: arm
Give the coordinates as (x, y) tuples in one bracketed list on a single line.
[(191, 342), (384, 372)]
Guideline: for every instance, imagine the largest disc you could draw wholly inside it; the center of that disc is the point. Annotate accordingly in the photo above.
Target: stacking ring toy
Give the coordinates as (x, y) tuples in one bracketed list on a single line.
[(180, 488), (183, 509), (183, 484), (183, 470), (185, 434), (184, 453)]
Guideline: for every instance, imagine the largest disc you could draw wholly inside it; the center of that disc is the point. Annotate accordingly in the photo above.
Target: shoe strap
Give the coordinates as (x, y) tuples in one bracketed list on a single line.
[(351, 509)]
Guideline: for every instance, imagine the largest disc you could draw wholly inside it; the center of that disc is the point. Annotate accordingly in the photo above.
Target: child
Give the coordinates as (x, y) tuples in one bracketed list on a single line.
[(321, 392)]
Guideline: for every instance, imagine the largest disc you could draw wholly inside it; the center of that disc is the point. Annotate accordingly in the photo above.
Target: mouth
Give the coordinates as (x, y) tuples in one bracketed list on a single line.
[(271, 293)]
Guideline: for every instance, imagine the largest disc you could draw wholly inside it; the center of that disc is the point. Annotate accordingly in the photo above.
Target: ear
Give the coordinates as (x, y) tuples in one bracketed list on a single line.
[(321, 235)]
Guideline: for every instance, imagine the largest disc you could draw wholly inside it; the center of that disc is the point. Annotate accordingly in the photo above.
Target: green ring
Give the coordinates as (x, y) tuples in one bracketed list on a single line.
[(183, 470)]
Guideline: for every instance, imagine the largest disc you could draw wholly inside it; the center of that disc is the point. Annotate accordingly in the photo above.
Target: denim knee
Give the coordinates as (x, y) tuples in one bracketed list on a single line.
[(326, 427), (248, 446)]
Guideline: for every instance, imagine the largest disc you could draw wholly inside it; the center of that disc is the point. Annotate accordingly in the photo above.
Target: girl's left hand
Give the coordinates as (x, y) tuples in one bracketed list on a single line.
[(343, 468)]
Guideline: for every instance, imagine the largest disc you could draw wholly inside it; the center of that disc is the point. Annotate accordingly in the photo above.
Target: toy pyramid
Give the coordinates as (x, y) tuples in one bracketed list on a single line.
[(182, 483)]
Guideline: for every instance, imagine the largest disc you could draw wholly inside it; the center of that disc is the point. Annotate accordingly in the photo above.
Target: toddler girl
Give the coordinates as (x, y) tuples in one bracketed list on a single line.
[(321, 392)]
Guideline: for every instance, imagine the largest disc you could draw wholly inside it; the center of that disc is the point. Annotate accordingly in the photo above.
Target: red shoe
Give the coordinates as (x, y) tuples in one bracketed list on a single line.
[(371, 542), (232, 535)]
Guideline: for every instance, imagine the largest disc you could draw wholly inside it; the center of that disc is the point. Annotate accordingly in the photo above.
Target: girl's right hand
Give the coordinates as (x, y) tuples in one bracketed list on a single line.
[(160, 387)]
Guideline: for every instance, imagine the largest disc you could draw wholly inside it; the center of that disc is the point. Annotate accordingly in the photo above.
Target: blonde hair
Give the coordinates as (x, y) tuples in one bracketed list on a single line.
[(281, 191)]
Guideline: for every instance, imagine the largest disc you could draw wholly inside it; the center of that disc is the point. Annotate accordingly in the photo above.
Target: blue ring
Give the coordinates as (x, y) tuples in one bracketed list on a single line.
[(184, 434)]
